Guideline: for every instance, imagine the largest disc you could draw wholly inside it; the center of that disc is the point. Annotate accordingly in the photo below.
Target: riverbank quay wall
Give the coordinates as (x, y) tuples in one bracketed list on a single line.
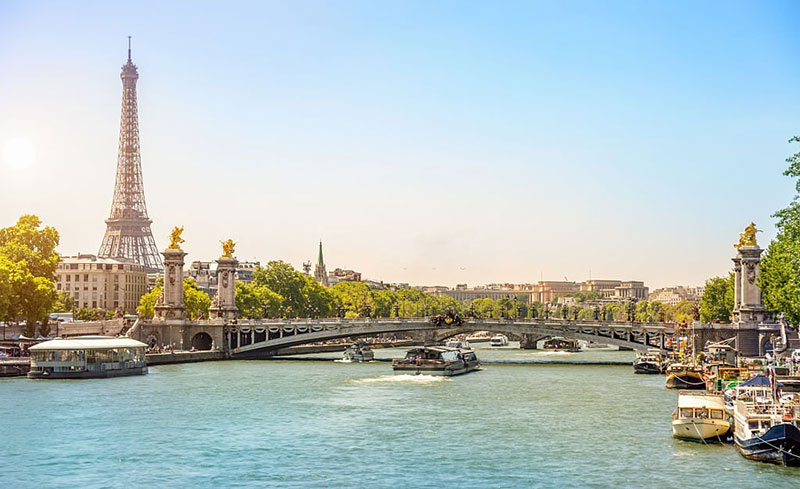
[(182, 334), (184, 357)]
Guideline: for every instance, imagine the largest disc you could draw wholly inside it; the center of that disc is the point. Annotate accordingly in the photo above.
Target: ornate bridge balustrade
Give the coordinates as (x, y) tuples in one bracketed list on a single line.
[(253, 337)]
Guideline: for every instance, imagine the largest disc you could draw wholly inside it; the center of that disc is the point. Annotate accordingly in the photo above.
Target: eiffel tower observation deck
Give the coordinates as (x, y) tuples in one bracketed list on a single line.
[(128, 233)]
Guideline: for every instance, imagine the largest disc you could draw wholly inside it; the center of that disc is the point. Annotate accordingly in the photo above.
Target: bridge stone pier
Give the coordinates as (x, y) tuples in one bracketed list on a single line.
[(528, 341)]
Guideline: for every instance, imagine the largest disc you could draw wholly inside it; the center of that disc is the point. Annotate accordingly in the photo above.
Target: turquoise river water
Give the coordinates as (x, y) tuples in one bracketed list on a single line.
[(323, 424)]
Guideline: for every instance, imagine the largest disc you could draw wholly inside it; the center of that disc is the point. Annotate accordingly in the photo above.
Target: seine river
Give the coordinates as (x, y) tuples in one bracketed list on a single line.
[(332, 425)]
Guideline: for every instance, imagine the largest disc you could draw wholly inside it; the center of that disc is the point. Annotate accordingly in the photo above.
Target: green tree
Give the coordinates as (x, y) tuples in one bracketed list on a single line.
[(148, 301), (779, 278), (354, 297), (385, 301), (682, 312), (257, 301), (717, 302), (197, 302), (28, 262), (64, 301), (29, 243)]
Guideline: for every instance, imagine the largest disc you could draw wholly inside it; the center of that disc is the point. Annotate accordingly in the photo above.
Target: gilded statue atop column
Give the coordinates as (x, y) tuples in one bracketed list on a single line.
[(228, 247), (748, 237), (175, 238)]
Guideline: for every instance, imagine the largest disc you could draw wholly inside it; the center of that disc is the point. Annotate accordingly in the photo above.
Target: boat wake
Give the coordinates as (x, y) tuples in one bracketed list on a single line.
[(404, 378)]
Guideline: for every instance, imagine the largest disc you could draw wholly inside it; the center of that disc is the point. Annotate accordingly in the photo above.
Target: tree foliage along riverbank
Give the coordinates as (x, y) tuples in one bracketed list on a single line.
[(780, 268), (28, 263), (278, 290), (716, 304)]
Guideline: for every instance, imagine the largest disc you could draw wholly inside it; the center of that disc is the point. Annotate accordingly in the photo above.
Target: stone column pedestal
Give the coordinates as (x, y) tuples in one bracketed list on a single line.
[(224, 304), (170, 305), (527, 342)]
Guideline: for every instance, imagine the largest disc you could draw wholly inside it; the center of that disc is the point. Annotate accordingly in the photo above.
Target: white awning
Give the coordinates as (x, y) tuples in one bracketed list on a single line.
[(88, 343)]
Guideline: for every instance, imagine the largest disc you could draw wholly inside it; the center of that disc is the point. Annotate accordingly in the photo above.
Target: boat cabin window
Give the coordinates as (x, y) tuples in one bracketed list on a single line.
[(753, 425), (716, 414), (701, 413), (450, 356), (686, 412)]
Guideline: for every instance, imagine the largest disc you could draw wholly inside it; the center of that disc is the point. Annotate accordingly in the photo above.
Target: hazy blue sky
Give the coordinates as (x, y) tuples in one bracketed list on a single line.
[(424, 142)]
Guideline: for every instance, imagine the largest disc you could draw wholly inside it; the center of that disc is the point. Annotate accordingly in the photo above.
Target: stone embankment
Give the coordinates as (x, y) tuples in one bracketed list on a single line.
[(183, 357)]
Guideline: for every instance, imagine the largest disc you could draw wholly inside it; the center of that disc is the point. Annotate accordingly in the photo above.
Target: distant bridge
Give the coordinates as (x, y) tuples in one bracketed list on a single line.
[(251, 338)]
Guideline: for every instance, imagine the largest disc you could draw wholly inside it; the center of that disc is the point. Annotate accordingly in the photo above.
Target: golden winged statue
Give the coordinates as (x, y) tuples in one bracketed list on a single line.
[(748, 237), (175, 238), (228, 247)]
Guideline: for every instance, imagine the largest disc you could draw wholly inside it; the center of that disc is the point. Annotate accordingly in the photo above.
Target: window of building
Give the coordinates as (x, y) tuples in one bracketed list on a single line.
[(85, 277)]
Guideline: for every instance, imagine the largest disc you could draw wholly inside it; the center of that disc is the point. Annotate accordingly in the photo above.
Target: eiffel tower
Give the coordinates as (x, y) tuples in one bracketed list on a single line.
[(128, 232)]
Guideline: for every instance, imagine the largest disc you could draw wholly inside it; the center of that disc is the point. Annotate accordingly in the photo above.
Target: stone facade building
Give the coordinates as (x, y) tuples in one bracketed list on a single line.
[(102, 283), (616, 289), (204, 274)]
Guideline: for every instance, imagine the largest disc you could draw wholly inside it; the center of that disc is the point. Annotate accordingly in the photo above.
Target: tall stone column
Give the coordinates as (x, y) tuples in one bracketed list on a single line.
[(749, 310), (224, 305), (170, 304), (737, 285)]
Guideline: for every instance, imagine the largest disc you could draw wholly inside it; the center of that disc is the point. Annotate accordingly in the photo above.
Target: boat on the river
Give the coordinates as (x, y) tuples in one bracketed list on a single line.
[(700, 416), (499, 340), (723, 378), (437, 360), (86, 357), (684, 376), (358, 353), (479, 337), (558, 343), (461, 344), (648, 362), (767, 423)]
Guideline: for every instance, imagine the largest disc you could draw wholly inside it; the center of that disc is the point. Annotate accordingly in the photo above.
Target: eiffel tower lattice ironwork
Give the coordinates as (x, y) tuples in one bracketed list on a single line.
[(128, 233)]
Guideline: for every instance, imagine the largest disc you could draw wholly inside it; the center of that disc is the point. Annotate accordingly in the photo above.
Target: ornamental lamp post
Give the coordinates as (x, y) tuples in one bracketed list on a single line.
[(516, 313)]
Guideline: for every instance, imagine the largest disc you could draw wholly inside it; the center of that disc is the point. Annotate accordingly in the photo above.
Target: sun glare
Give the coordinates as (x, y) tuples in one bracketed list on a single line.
[(18, 153)]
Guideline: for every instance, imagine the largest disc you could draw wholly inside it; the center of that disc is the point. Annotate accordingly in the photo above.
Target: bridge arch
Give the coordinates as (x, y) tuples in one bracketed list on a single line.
[(629, 335), (202, 341)]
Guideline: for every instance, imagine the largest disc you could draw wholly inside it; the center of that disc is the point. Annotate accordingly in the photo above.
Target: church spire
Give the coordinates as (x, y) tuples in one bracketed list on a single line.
[(320, 274)]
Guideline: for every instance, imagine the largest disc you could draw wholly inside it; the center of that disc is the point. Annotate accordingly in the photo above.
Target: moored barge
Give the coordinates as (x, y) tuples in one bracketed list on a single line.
[(767, 423), (86, 357)]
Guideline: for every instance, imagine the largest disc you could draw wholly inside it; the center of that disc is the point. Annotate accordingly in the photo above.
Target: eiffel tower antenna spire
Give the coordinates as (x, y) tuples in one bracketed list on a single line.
[(128, 232)]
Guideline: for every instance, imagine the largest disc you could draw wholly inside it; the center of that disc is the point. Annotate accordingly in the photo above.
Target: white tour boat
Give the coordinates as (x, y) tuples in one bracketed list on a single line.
[(499, 340), (358, 353)]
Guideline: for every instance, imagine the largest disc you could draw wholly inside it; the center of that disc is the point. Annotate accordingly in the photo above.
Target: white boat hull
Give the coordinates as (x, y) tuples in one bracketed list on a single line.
[(700, 429)]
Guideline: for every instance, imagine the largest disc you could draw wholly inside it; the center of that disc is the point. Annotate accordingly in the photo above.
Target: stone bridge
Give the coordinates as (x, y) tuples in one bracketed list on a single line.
[(256, 338)]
